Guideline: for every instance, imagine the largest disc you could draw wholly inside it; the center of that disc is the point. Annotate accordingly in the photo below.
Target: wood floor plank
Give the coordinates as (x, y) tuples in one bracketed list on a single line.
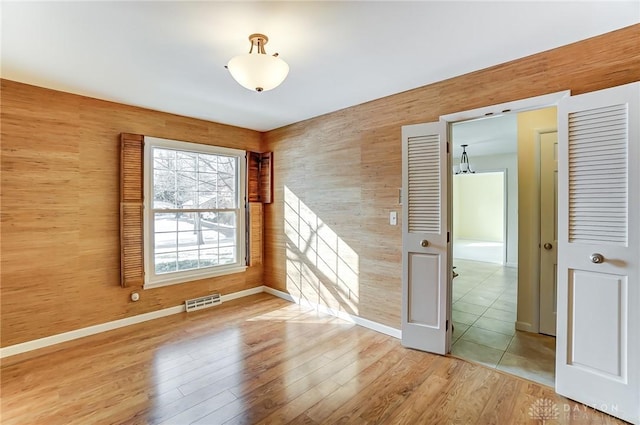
[(300, 404), (198, 410), (499, 406), (262, 360), (450, 400), (477, 394), (437, 383), (295, 366), (283, 391), (391, 390), (347, 396), (294, 384), (302, 420)]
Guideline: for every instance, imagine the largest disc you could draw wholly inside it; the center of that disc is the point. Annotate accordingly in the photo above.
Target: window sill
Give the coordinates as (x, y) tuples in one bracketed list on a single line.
[(167, 280)]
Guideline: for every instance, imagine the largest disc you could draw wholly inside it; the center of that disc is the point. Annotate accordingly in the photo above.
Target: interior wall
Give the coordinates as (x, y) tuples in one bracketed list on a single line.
[(529, 124), (508, 162), (60, 210), (340, 173), (478, 206)]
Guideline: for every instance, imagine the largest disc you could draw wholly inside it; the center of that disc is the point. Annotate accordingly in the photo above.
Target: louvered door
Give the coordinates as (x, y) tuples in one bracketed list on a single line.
[(598, 333), (425, 263)]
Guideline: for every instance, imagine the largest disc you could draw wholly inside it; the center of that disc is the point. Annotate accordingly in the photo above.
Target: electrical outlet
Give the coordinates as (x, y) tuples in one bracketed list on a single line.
[(393, 218)]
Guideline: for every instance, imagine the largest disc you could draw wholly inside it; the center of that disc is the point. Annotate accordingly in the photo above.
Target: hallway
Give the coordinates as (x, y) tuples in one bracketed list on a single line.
[(484, 315)]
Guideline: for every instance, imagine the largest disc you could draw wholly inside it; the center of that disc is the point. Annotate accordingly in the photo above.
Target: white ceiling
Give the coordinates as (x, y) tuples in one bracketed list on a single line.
[(487, 136), (170, 56)]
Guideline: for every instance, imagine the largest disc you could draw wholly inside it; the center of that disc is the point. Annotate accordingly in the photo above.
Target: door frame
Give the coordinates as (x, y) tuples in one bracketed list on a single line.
[(538, 102)]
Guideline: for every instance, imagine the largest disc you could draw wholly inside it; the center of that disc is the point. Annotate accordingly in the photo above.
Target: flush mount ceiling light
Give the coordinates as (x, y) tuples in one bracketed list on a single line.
[(256, 70), (465, 168)]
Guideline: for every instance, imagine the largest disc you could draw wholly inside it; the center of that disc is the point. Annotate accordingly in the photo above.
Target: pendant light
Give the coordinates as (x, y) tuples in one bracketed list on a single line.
[(464, 168), (256, 70)]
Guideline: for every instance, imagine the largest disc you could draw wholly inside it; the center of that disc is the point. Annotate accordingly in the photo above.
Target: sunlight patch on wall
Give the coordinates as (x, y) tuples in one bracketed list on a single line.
[(321, 267)]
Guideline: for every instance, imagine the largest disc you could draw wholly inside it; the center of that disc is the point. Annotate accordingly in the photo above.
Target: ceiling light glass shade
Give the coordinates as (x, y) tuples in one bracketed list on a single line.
[(258, 71), (464, 167)]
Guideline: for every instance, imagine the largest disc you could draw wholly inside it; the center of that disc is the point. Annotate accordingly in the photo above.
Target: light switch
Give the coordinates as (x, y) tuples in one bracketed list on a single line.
[(393, 218)]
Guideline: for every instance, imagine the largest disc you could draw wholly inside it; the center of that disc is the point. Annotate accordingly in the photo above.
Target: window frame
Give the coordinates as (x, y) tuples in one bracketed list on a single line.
[(153, 280)]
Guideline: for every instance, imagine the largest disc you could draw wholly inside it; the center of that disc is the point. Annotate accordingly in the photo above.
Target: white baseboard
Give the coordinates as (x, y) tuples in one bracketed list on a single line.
[(35, 344), (279, 294), (511, 264), (370, 324), (526, 327), (240, 294), (24, 347)]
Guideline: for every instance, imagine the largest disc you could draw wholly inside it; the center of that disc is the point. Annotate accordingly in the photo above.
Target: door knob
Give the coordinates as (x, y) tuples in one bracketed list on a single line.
[(596, 258), (548, 246), (424, 243)]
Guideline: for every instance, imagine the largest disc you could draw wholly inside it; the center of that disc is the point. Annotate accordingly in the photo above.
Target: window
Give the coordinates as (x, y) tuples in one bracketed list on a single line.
[(194, 211)]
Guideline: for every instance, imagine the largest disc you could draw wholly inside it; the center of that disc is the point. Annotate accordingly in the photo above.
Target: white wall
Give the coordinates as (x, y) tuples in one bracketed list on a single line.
[(478, 206), (507, 162)]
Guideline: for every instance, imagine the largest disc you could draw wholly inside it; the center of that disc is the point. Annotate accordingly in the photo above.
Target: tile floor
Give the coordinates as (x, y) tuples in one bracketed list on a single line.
[(484, 315)]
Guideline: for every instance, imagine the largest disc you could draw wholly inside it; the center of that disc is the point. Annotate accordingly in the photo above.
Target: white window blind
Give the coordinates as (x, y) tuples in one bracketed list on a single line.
[(598, 184), (424, 194)]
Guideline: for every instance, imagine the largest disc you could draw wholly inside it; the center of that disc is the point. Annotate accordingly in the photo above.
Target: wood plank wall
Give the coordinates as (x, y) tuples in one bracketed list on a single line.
[(337, 176), (60, 210)]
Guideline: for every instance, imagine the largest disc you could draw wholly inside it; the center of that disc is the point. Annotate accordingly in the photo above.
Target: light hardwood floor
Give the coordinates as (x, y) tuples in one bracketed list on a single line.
[(262, 360)]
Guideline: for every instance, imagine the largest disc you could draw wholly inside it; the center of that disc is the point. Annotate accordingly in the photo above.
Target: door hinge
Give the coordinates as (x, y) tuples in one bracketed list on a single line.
[(447, 325), (447, 147), (447, 237)]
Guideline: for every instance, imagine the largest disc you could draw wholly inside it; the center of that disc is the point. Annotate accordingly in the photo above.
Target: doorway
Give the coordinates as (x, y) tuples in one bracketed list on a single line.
[(485, 220), (598, 240)]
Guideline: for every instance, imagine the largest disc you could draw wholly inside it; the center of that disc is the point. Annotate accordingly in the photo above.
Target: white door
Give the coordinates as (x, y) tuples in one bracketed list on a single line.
[(548, 231), (598, 333), (425, 260)]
